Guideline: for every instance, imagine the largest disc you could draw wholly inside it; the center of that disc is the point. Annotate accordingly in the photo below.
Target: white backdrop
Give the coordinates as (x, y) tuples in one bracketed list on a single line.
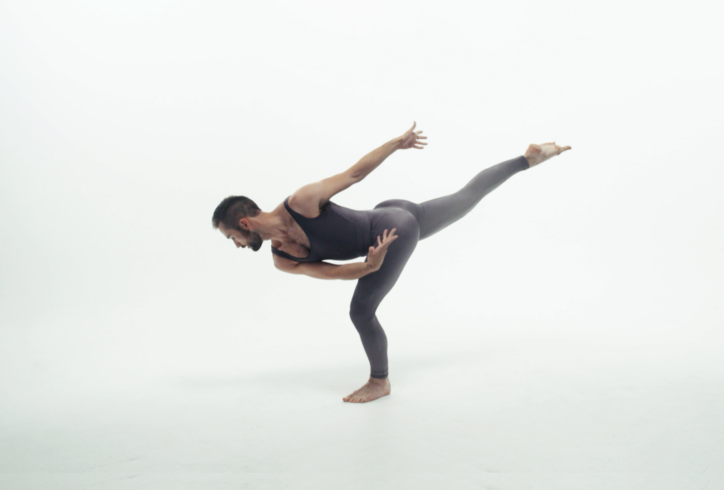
[(124, 124)]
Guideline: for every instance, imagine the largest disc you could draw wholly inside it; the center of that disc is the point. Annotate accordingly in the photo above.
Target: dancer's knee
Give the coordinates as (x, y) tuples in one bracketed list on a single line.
[(361, 314)]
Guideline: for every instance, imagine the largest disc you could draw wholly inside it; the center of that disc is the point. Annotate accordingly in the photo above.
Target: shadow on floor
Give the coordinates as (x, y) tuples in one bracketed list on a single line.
[(334, 378)]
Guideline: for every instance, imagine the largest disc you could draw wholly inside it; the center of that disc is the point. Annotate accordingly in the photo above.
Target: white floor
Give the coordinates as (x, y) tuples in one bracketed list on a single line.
[(567, 408)]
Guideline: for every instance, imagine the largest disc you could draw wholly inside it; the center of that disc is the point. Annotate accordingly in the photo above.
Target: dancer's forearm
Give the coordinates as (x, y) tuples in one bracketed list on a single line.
[(326, 270), (373, 159), (355, 270)]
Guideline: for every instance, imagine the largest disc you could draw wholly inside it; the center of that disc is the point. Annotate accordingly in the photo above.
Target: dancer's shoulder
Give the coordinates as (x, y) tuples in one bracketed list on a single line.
[(304, 204), (313, 197)]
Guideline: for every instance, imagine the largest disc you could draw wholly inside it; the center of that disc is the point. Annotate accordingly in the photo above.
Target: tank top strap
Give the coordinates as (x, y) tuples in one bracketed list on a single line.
[(281, 253), (291, 211), (296, 217)]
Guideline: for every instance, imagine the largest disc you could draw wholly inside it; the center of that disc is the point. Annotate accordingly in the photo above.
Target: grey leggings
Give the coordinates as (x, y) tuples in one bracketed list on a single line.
[(414, 222)]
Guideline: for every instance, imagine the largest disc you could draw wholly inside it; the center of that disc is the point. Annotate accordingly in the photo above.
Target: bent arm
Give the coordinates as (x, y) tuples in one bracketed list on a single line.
[(325, 270), (373, 159)]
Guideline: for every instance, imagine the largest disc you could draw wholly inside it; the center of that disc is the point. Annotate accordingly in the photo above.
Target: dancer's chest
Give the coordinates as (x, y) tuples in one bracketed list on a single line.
[(295, 242)]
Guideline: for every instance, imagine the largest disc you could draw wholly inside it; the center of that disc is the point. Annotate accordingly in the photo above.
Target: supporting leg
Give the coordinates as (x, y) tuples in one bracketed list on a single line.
[(369, 293)]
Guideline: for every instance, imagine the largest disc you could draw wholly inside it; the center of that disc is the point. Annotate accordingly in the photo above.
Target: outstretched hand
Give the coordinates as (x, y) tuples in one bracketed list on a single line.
[(376, 256), (537, 154), (412, 139)]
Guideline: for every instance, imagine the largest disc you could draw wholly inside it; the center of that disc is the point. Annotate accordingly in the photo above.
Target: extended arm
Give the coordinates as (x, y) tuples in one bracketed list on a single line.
[(313, 197), (373, 159)]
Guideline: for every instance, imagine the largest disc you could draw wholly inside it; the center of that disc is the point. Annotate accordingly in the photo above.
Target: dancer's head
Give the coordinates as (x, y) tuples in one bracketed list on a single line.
[(231, 218)]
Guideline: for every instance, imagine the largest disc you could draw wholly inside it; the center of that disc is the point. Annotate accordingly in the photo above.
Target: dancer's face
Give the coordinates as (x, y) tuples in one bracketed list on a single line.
[(242, 238)]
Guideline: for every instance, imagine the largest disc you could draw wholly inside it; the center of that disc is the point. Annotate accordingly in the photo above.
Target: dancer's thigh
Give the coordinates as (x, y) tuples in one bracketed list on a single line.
[(372, 288)]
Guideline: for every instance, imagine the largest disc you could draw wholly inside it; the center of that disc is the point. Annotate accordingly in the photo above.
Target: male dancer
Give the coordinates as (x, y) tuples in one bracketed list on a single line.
[(307, 229)]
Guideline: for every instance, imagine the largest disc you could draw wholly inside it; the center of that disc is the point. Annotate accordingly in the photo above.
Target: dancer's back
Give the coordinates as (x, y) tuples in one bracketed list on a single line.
[(338, 233)]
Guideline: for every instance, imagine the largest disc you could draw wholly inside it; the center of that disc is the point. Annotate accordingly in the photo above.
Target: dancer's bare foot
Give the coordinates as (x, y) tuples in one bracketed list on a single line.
[(372, 390), (536, 154)]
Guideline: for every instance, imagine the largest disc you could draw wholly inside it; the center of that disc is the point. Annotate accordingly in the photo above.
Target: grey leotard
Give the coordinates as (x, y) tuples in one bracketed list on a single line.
[(340, 233)]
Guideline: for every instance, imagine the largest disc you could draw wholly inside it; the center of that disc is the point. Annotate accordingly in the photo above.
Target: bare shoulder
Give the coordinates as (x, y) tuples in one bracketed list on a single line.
[(304, 204), (309, 199)]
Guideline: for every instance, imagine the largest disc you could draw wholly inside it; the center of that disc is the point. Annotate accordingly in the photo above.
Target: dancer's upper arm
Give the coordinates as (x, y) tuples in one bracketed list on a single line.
[(319, 270), (313, 197)]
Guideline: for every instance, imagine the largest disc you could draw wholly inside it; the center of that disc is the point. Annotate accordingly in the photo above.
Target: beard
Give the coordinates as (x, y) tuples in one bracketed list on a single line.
[(255, 241)]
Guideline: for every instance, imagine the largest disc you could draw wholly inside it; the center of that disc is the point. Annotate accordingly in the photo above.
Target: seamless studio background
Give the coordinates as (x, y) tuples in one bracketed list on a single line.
[(565, 334)]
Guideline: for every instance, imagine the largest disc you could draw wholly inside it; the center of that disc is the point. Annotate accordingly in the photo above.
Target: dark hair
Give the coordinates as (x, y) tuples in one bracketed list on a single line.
[(232, 209)]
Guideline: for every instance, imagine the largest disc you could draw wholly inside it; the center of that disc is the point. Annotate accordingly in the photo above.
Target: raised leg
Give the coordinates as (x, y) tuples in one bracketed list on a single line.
[(441, 212)]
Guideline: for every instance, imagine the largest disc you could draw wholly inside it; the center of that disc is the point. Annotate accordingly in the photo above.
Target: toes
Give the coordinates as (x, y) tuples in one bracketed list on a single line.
[(350, 396), (361, 395)]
